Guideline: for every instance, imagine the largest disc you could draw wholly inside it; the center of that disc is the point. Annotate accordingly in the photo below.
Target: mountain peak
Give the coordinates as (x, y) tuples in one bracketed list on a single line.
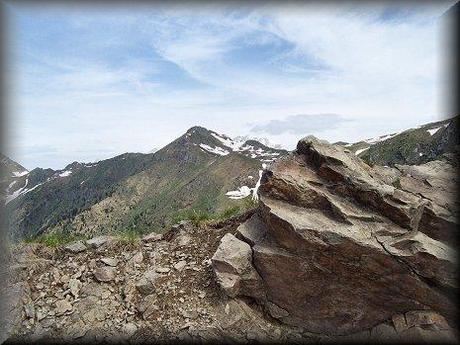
[(222, 145)]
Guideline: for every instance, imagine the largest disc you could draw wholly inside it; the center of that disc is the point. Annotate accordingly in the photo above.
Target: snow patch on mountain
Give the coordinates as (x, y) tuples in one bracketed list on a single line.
[(380, 138), (264, 141), (16, 193), (226, 141), (241, 193), (432, 131), (216, 150), (240, 146), (245, 191), (65, 173), (361, 150), (20, 173)]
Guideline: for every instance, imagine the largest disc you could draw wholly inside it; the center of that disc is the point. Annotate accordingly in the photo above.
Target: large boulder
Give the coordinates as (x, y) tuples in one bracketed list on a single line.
[(341, 247)]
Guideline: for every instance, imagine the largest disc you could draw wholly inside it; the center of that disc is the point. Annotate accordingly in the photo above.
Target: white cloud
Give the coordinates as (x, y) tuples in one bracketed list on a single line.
[(252, 65)]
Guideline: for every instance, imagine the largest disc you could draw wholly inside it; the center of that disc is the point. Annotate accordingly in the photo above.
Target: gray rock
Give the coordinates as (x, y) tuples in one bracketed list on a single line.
[(152, 237), (232, 264), (109, 261), (98, 241), (129, 328), (75, 247), (62, 306), (29, 310), (180, 265), (74, 286), (162, 269)]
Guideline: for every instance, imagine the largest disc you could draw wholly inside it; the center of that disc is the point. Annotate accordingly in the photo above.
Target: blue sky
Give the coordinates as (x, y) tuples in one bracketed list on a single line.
[(88, 83)]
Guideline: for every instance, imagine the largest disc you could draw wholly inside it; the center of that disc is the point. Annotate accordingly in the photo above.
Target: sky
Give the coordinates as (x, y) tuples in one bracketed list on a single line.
[(90, 82)]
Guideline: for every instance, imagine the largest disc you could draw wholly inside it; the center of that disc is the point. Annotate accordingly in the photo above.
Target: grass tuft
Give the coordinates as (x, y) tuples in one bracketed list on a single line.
[(54, 239)]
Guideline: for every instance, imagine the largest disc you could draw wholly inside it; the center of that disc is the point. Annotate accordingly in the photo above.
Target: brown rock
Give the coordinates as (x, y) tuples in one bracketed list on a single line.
[(338, 248), (105, 274), (146, 285), (426, 318), (399, 322)]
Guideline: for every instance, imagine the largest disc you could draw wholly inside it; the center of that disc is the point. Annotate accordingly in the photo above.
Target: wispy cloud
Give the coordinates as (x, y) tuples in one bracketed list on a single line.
[(94, 82), (301, 124)]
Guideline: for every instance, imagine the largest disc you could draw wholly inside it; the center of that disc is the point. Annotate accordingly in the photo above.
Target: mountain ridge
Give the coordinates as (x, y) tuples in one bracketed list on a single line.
[(413, 146), (132, 189)]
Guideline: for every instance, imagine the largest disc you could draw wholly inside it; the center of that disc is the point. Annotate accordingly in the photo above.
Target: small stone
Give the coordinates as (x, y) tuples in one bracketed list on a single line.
[(39, 286), (105, 274), (180, 265), (152, 237), (202, 294), (76, 247), (74, 286), (48, 322), (186, 325), (41, 314), (65, 279), (98, 241), (62, 306), (137, 258), (109, 261), (190, 314), (29, 309), (129, 328), (162, 269)]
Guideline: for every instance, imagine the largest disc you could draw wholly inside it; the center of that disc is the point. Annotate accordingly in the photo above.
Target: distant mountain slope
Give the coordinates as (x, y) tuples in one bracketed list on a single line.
[(139, 191), (413, 146), (10, 174)]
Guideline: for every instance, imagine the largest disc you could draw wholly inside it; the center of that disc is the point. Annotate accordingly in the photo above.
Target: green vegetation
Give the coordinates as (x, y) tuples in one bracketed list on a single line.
[(128, 236), (249, 203), (54, 239), (196, 216), (199, 217)]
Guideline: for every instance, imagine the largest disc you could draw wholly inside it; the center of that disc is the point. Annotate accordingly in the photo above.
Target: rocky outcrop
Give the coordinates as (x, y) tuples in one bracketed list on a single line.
[(341, 247)]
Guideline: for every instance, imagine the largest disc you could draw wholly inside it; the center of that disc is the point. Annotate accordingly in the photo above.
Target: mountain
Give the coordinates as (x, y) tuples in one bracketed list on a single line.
[(336, 252), (264, 141), (139, 192), (10, 173), (413, 146)]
